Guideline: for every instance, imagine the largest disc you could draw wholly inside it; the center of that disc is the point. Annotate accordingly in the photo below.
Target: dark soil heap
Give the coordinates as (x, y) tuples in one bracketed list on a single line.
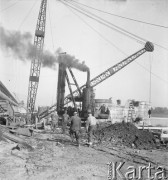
[(126, 134)]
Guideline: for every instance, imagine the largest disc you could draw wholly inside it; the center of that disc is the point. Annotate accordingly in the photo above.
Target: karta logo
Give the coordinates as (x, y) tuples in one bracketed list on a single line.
[(149, 172)]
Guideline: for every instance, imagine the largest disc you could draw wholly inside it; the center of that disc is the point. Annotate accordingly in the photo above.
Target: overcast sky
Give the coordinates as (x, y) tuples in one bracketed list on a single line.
[(93, 43)]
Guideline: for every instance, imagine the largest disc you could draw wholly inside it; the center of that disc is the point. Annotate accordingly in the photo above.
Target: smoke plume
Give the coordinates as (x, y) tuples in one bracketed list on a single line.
[(17, 44), (20, 46), (71, 61)]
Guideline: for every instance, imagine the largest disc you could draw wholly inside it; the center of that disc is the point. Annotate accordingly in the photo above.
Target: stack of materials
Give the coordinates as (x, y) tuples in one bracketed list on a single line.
[(143, 110), (117, 113)]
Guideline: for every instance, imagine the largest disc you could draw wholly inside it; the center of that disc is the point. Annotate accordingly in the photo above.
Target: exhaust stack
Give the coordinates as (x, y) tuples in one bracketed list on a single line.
[(61, 87), (86, 96)]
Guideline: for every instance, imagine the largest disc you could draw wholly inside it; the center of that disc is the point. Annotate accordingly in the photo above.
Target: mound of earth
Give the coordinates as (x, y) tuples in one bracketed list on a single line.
[(126, 134)]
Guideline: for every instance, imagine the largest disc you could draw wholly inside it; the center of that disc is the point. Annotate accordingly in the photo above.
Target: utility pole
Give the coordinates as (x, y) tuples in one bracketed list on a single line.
[(150, 79)]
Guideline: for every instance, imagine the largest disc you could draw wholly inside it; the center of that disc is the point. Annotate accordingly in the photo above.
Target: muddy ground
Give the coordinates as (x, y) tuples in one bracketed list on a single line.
[(55, 156)]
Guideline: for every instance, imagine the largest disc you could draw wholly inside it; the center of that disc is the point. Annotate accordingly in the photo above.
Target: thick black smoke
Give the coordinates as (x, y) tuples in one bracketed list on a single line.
[(71, 61), (17, 44), (20, 46)]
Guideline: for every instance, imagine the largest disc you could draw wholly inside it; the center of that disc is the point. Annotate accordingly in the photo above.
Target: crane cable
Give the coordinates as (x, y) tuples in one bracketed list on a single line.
[(53, 92), (28, 14), (16, 64), (106, 23), (163, 80), (50, 25), (2, 10), (112, 14), (160, 46), (116, 46), (114, 27), (103, 37), (150, 79)]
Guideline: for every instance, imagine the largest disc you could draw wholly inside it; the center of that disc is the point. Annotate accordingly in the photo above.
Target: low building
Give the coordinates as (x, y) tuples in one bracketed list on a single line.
[(7, 104)]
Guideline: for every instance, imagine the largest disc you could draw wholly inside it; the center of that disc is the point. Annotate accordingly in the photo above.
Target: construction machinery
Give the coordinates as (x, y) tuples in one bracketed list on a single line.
[(36, 61), (87, 95)]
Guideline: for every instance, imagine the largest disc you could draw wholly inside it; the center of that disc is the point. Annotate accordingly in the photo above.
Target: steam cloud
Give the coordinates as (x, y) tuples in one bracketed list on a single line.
[(20, 46)]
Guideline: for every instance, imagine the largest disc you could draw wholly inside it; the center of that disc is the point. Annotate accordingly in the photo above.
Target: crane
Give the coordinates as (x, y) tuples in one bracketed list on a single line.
[(70, 89), (36, 61), (112, 70), (79, 90), (149, 47)]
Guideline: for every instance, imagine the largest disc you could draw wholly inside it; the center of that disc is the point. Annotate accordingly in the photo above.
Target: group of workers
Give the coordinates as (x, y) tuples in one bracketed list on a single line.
[(75, 125), (104, 109)]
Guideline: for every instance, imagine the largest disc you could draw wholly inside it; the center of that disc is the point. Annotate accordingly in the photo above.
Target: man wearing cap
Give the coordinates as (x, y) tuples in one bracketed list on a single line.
[(90, 127), (75, 127)]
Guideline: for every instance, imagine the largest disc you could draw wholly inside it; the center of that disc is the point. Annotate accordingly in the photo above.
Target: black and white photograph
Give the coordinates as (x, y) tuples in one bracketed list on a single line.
[(83, 89)]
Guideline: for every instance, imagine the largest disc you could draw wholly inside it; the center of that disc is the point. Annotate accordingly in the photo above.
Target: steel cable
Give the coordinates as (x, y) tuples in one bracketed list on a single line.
[(106, 23), (112, 14), (121, 29)]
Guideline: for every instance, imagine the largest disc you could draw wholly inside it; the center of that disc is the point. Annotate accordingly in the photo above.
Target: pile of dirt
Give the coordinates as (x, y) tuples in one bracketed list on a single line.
[(126, 134)]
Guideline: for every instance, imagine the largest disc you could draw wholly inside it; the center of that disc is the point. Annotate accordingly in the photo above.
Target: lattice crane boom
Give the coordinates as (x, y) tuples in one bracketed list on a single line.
[(37, 59), (70, 89), (112, 70), (109, 72)]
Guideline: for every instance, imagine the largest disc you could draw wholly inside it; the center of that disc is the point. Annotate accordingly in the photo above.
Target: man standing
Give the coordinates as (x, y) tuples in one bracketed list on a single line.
[(54, 120), (75, 127), (90, 127), (102, 109), (65, 119), (149, 113)]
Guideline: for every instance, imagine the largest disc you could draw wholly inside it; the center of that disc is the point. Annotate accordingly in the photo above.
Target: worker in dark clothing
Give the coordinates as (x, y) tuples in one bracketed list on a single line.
[(102, 109), (107, 111), (65, 119), (75, 127), (149, 113)]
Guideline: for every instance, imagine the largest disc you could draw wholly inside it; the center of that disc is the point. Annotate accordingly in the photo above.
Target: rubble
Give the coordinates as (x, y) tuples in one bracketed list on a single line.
[(23, 131), (55, 156), (126, 134), (5, 134)]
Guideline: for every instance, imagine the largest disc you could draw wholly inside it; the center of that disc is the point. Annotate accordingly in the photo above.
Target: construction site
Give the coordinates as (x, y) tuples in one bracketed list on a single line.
[(80, 136)]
